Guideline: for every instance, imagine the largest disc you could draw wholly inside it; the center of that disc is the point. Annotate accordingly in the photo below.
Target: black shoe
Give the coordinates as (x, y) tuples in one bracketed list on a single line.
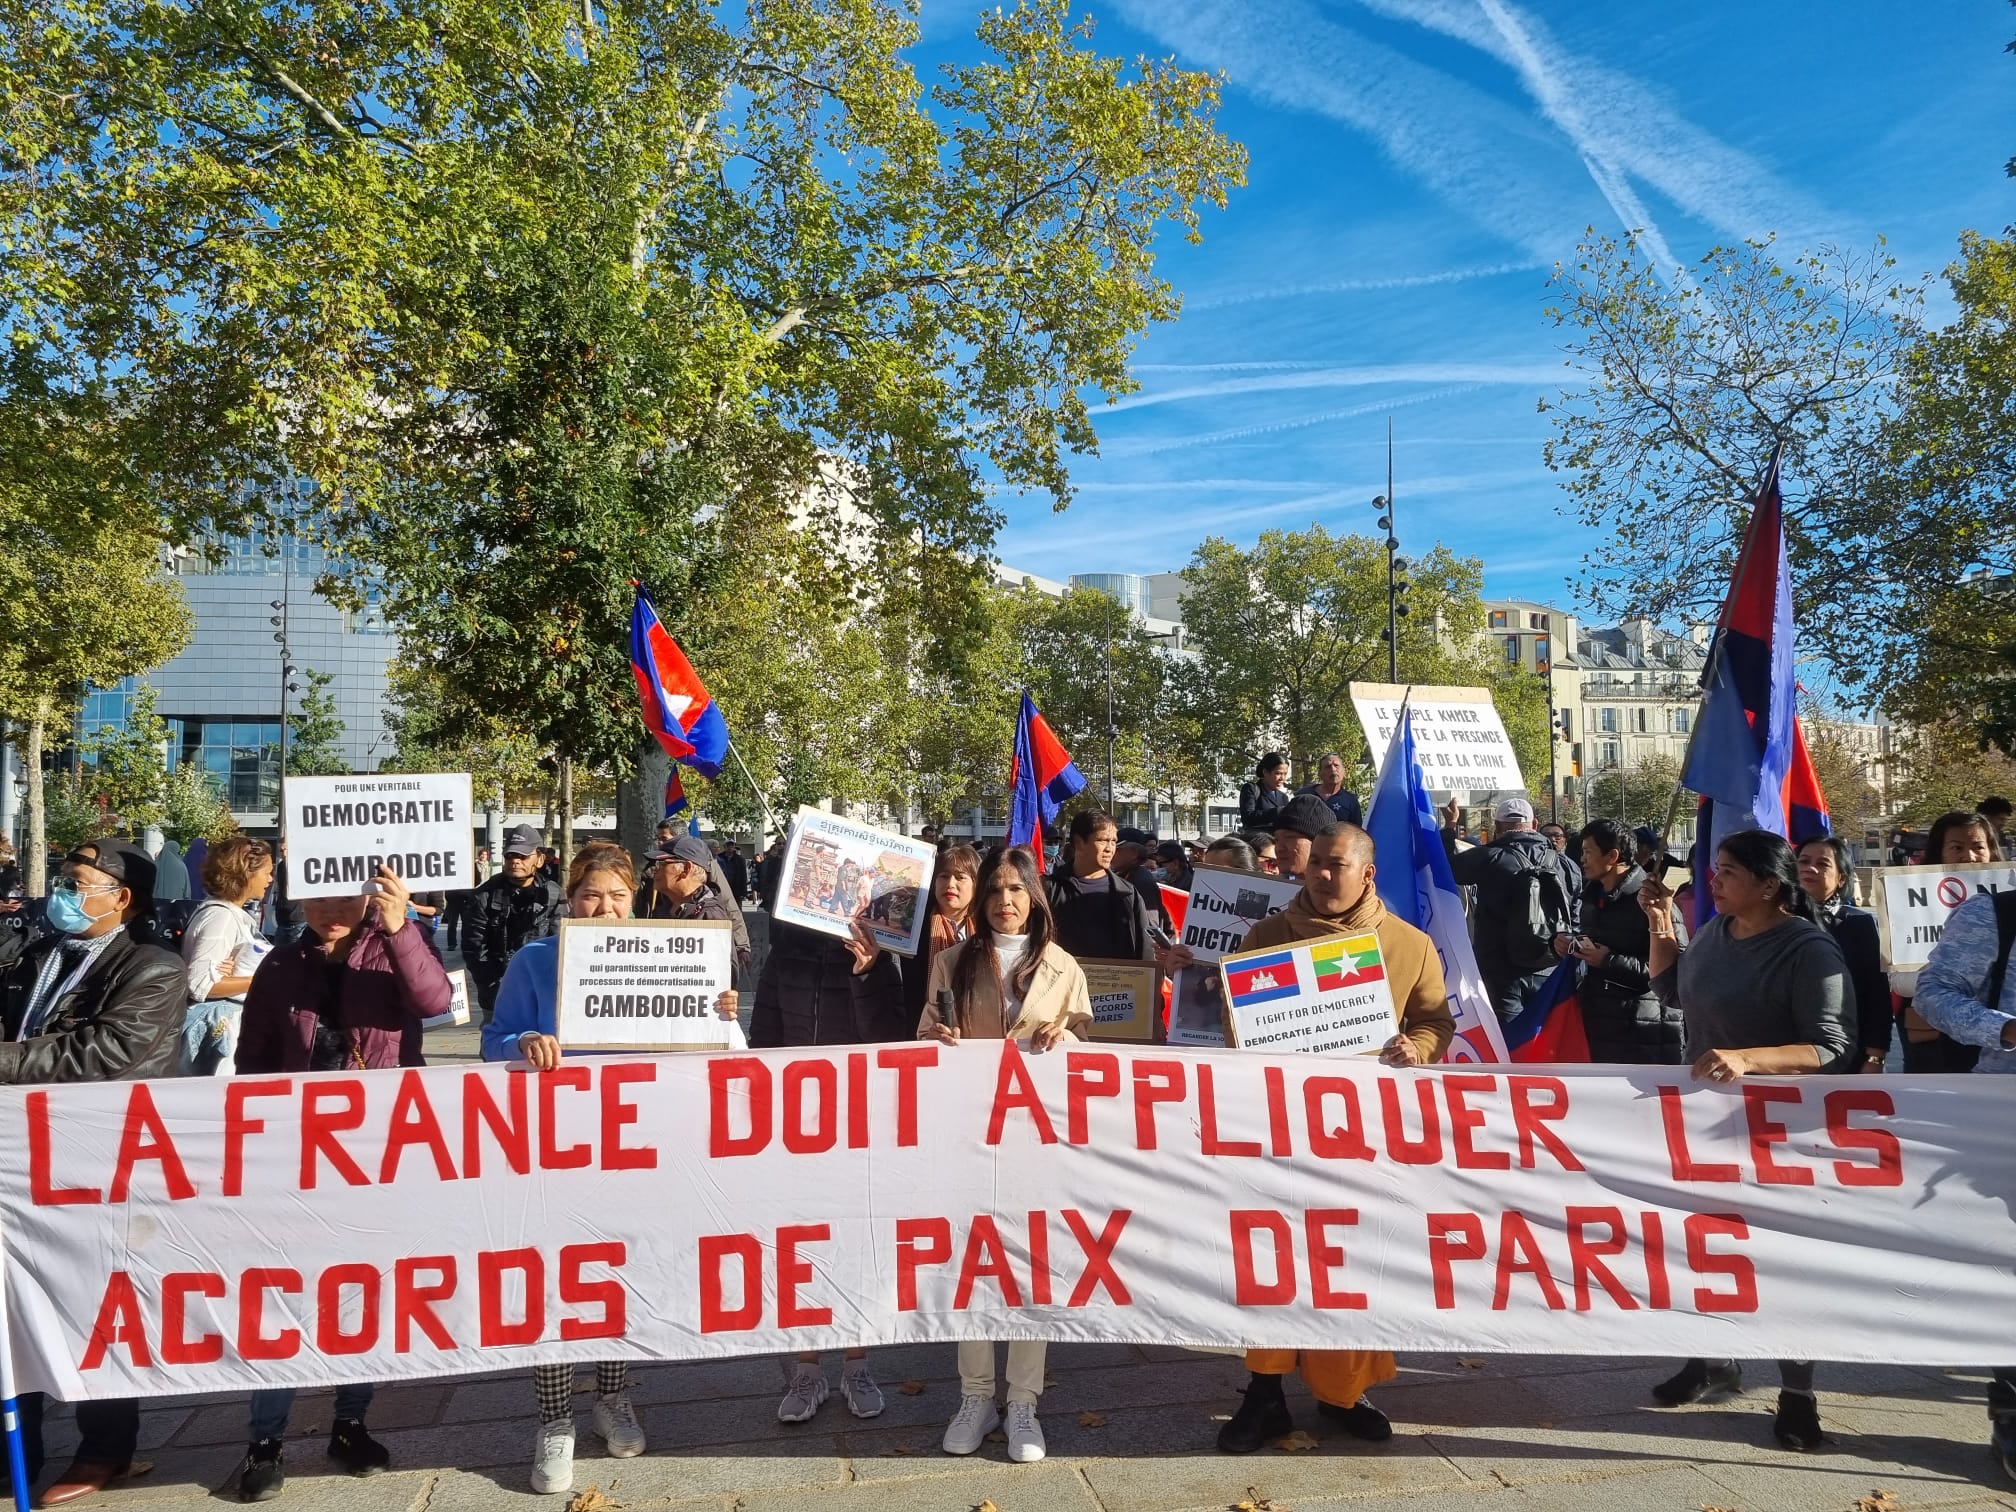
[(2002, 1438), (1362, 1421), (1698, 1379), (262, 1477), (355, 1450), (1798, 1425), (1261, 1418)]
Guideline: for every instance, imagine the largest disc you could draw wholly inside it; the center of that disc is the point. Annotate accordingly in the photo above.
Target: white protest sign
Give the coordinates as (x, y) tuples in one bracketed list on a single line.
[(1458, 737), (645, 984), (837, 870), (1223, 906), (457, 1012), (340, 830), (1913, 904), (1321, 997)]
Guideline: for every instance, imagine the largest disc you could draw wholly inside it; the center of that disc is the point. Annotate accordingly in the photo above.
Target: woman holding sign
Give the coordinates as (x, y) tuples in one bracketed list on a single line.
[(600, 885), (1764, 992), (1009, 981)]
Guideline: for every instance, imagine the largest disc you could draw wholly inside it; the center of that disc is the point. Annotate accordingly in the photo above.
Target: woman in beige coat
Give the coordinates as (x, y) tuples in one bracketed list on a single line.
[(1009, 981)]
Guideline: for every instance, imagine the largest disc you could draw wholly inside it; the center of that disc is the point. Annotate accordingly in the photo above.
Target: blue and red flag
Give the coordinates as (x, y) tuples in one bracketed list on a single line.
[(1549, 1029), (678, 710), (1042, 777), (1748, 759), (1262, 979)]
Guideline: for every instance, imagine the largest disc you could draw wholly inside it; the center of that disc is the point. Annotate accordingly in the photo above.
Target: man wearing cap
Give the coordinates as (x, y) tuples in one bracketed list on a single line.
[(1329, 786), (94, 1000), (515, 906), (648, 899), (1527, 892), (682, 886), (1305, 817)]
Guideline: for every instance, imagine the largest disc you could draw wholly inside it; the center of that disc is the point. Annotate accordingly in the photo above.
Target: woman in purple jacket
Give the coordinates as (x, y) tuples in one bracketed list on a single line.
[(348, 995)]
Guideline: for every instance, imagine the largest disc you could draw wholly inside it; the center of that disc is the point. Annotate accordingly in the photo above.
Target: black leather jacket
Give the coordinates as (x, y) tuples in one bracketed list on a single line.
[(122, 1022), (502, 916)]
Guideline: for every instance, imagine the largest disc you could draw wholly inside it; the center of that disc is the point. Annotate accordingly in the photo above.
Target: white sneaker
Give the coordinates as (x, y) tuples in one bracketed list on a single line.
[(616, 1421), (807, 1391), (864, 1397), (1025, 1434), (553, 1456), (969, 1429)]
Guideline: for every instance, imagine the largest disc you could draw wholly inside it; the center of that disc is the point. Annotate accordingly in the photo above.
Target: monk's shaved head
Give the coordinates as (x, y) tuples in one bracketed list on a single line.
[(1346, 841)]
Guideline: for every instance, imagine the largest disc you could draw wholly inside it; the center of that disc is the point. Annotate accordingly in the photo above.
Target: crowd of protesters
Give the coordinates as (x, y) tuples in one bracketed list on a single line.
[(133, 969)]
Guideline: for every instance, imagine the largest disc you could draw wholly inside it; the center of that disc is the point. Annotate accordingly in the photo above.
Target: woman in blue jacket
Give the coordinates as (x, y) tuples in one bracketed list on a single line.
[(600, 885)]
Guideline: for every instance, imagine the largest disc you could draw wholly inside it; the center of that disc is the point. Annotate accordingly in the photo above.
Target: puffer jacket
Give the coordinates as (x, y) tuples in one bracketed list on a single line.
[(377, 995), (809, 995)]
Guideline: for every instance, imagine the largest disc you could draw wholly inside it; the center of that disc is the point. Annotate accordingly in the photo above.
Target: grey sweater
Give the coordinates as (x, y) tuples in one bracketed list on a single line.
[(1786, 986)]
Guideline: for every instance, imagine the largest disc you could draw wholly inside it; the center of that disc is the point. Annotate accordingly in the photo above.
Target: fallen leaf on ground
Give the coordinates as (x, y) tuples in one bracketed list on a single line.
[(987, 1506), (1877, 1501), (912, 1388), (1091, 1420), (1255, 1502), (1706, 1508), (1298, 1442), (997, 1437), (592, 1500), (1469, 1364)]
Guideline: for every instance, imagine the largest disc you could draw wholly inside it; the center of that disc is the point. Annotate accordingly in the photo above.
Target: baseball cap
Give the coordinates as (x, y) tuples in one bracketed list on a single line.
[(683, 848), (523, 840), (120, 859), (1515, 807), (1305, 814)]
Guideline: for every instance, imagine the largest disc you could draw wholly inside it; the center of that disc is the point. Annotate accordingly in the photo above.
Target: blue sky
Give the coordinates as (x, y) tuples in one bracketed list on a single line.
[(1417, 168)]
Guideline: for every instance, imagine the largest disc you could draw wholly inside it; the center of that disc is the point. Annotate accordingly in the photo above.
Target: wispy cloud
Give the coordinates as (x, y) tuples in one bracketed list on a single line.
[(1149, 448), (1517, 374), (1365, 285)]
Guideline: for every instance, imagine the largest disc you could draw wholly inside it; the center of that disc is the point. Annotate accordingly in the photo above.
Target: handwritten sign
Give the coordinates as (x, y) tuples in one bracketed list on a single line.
[(1458, 737), (1124, 999)]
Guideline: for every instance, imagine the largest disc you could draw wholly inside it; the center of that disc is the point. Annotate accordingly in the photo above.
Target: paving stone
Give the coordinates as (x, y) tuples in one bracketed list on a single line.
[(1045, 1487)]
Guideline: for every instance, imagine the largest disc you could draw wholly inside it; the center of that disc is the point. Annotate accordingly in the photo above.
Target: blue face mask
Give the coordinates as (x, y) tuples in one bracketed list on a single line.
[(66, 915)]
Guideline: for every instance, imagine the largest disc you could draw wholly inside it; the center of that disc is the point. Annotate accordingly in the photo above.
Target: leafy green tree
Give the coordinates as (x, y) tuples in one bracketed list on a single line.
[(1285, 628), (315, 731), (1943, 767), (193, 807), (549, 298), (1639, 793), (125, 767)]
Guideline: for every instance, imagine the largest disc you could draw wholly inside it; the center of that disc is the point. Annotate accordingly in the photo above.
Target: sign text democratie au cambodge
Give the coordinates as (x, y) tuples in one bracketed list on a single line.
[(681, 1206)]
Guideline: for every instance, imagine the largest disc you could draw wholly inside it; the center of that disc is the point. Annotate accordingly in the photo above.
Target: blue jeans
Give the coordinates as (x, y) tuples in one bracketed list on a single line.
[(210, 1037), (270, 1408)]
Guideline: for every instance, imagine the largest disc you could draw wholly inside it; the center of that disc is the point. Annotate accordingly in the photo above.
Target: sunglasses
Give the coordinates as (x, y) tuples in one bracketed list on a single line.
[(72, 885)]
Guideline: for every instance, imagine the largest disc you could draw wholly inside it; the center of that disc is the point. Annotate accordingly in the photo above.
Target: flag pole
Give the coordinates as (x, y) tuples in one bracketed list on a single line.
[(772, 818), (1714, 656)]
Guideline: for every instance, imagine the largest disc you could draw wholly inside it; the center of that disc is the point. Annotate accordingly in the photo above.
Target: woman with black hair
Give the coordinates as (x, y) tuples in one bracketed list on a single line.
[(1827, 877), (1623, 1017), (1266, 795), (1957, 838), (1099, 915), (1764, 992), (1009, 980)]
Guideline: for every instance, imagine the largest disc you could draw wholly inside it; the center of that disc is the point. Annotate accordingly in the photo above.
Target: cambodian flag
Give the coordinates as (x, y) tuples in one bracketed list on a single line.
[(1042, 777), (678, 710), (1748, 759), (1549, 1029), (1262, 979)]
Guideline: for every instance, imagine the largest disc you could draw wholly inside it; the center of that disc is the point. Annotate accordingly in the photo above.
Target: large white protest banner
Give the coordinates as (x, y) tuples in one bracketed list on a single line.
[(1913, 904), (340, 830), (1222, 906), (1458, 737), (158, 1235), (645, 984)]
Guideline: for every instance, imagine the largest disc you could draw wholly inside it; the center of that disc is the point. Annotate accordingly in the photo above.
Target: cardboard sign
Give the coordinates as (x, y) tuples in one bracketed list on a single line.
[(1320, 997), (1223, 905), (836, 871), (1458, 737), (340, 830), (1913, 904), (1125, 997), (645, 984)]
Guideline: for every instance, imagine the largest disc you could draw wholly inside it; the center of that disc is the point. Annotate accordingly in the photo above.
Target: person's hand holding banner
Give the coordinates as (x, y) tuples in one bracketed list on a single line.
[(1401, 1051), (541, 1051), (1046, 1036)]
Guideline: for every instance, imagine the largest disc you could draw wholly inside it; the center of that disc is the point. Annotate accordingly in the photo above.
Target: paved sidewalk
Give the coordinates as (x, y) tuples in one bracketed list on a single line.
[(1130, 1430)]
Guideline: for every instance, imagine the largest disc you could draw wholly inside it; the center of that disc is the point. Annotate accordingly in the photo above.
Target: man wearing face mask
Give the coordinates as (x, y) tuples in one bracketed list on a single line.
[(94, 1000)]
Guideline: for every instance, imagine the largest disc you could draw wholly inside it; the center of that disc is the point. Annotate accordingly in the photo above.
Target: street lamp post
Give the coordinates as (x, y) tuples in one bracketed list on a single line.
[(287, 684), (1396, 582), (1112, 730)]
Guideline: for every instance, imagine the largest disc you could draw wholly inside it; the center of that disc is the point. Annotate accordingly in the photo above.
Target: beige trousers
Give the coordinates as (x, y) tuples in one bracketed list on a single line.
[(1025, 1369)]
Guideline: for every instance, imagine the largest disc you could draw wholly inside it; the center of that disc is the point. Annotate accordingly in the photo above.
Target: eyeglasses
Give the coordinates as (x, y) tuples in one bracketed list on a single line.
[(72, 885)]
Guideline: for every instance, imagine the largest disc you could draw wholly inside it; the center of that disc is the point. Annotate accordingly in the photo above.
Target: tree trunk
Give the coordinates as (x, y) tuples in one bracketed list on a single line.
[(640, 799), (493, 833), (37, 859), (566, 809), (546, 829)]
